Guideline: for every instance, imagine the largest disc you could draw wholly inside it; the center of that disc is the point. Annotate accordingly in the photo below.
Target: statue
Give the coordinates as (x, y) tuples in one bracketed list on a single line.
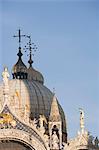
[(5, 75), (42, 119), (96, 141), (55, 141), (35, 122), (82, 119), (90, 140)]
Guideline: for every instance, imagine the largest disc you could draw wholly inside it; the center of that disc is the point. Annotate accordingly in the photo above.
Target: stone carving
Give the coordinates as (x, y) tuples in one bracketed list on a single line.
[(6, 121), (42, 119), (55, 141), (5, 75), (82, 119), (46, 138), (90, 140), (22, 136), (96, 141), (33, 122)]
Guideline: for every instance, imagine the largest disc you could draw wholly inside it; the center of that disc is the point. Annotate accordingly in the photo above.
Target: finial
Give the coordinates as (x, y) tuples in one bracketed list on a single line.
[(54, 91), (82, 124), (19, 36), (30, 48)]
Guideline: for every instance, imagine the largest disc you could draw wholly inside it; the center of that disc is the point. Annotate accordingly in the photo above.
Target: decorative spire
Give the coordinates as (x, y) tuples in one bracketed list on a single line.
[(19, 70), (5, 76), (19, 36), (82, 124), (30, 48), (55, 114)]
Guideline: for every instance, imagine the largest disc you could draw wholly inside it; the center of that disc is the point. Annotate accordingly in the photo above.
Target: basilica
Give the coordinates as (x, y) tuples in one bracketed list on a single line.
[(31, 117)]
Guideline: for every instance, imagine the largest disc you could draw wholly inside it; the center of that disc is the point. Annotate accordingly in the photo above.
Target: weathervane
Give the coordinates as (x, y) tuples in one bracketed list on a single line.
[(30, 48), (19, 36)]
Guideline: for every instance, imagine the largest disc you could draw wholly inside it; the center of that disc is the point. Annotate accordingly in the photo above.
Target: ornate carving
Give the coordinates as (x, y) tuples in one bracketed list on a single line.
[(96, 141), (6, 121), (90, 140), (41, 128), (22, 136), (55, 141), (33, 122)]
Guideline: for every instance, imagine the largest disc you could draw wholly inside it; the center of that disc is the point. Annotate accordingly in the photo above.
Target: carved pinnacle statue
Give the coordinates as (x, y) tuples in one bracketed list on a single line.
[(96, 141), (55, 141), (82, 120), (5, 75)]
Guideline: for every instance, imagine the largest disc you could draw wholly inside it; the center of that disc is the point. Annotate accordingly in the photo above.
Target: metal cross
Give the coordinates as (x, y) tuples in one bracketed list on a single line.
[(19, 36)]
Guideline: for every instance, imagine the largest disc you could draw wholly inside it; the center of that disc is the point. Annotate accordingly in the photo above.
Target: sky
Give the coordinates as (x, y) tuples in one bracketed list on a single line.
[(66, 33)]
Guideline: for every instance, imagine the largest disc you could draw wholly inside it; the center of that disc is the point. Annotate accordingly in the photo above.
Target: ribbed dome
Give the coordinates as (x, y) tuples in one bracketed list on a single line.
[(33, 95), (35, 75)]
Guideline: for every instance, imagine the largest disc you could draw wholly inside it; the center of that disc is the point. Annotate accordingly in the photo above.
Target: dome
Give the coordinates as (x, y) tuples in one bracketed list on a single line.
[(29, 98), (35, 75), (19, 70), (33, 96), (19, 67)]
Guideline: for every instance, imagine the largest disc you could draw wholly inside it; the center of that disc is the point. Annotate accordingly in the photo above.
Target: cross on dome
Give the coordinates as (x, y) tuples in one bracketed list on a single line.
[(19, 36), (32, 50)]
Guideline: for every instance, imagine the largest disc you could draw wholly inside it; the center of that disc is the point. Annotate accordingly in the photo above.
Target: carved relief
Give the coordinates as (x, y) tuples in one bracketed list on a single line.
[(6, 121), (55, 141)]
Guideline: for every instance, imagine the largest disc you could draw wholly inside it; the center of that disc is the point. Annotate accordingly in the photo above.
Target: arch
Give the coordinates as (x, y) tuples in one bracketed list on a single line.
[(22, 137), (13, 144)]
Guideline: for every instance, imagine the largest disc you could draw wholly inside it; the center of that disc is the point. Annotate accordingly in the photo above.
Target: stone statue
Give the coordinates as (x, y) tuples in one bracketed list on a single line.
[(5, 75), (35, 122), (96, 141), (90, 140), (42, 119), (55, 141), (81, 119)]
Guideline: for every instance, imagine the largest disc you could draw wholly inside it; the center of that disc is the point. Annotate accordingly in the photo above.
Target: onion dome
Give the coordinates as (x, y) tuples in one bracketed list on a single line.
[(35, 75), (19, 70), (32, 73)]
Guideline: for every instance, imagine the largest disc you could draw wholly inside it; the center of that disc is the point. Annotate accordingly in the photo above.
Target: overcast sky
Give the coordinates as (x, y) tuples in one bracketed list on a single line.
[(67, 36)]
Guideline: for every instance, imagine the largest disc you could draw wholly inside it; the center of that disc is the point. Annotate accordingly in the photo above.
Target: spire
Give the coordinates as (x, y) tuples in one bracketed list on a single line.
[(55, 114), (19, 36), (30, 48), (82, 123), (19, 70)]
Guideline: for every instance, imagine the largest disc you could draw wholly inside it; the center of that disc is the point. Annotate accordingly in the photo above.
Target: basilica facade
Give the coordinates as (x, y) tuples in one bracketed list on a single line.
[(31, 117)]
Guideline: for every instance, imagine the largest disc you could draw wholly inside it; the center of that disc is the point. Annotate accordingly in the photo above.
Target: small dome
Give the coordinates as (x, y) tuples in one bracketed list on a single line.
[(19, 67), (35, 75)]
